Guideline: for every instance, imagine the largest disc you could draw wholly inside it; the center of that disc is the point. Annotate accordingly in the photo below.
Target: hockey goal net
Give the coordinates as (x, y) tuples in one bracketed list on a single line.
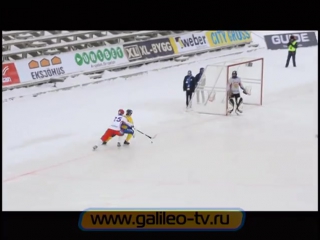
[(211, 96)]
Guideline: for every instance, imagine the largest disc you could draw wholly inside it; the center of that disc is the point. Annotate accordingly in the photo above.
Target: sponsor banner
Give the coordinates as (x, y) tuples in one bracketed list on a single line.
[(190, 42), (226, 38), (92, 59), (148, 49), (280, 41), (45, 67), (9, 74)]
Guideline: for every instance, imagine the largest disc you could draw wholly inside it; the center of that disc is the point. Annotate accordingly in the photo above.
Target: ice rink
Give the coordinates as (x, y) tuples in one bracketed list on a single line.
[(266, 159)]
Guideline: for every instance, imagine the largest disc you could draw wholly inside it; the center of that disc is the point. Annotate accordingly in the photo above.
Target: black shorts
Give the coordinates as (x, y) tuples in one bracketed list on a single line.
[(237, 95)]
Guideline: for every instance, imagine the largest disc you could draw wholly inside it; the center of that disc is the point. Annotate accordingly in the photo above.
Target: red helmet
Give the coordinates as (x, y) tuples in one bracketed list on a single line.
[(120, 111)]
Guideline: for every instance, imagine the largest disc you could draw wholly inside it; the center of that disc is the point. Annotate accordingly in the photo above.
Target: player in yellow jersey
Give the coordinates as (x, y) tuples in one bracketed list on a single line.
[(126, 129)]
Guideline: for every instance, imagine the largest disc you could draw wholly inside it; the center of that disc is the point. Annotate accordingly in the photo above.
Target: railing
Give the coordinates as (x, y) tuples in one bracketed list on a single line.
[(44, 38)]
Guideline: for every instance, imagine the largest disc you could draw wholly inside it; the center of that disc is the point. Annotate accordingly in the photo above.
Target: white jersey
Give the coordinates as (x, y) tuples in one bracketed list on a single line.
[(118, 121), (234, 85), (202, 81)]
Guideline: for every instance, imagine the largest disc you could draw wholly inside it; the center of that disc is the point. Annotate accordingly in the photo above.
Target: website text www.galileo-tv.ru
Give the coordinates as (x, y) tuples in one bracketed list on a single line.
[(210, 220)]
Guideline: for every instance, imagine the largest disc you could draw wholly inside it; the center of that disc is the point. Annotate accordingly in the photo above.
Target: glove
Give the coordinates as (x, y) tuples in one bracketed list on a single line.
[(244, 91)]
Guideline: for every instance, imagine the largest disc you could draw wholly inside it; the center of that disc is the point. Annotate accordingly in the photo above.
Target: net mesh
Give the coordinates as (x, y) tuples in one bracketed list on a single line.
[(211, 93)]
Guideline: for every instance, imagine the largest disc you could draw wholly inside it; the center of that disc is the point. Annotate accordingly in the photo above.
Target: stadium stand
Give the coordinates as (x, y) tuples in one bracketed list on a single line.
[(18, 45)]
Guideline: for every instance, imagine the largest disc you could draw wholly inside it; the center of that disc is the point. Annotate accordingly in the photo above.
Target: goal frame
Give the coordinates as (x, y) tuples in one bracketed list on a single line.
[(227, 65), (252, 81)]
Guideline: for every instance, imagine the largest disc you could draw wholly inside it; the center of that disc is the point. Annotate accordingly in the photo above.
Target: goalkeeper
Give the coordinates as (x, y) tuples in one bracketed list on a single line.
[(234, 92)]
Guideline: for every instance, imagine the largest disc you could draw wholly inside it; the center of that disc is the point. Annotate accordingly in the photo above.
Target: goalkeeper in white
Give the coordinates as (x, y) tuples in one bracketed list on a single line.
[(234, 92)]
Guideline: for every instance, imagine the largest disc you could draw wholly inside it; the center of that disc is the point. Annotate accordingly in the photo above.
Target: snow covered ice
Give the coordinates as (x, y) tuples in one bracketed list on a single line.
[(265, 159)]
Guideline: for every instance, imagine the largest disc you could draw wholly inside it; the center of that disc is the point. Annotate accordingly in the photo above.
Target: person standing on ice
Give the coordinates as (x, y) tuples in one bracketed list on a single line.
[(292, 49), (200, 83), (234, 92), (189, 85)]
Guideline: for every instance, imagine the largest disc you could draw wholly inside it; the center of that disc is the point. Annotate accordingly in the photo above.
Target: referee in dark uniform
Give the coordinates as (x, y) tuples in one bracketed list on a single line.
[(292, 48)]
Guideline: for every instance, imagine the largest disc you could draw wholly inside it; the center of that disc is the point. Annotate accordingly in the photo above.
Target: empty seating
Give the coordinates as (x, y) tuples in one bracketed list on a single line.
[(18, 45)]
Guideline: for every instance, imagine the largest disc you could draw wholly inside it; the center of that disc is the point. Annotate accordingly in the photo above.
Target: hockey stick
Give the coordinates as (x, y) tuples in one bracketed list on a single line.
[(146, 134)]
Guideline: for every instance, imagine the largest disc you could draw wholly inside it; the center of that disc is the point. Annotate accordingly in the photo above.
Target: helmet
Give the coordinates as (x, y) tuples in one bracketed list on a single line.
[(120, 111), (129, 112), (234, 74)]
